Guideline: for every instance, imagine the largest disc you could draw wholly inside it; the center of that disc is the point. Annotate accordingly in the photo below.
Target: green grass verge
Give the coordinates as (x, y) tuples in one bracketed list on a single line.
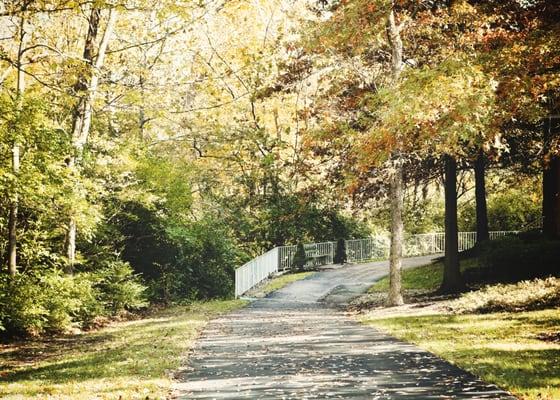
[(501, 348), (278, 283), (128, 360), (426, 277)]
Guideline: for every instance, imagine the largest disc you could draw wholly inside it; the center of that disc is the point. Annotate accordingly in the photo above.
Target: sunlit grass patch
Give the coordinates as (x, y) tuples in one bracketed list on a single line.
[(129, 360), (278, 283), (424, 278), (503, 348)]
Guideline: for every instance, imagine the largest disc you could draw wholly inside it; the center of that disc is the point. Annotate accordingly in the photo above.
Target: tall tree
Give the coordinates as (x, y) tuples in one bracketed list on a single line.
[(452, 278), (86, 89), (396, 186), (551, 178), (482, 232), (14, 204)]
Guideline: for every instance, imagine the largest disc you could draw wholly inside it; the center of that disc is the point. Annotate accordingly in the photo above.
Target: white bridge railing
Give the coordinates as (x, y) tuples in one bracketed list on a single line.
[(357, 250)]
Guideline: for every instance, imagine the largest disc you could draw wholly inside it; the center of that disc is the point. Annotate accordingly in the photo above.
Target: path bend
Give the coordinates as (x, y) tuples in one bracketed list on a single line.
[(295, 345)]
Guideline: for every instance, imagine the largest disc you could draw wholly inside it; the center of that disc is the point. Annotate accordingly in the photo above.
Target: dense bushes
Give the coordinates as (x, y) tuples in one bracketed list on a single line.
[(53, 302), (513, 259), (179, 261), (509, 210), (264, 221)]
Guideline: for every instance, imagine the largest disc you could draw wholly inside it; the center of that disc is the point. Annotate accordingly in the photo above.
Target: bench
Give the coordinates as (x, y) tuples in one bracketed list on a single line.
[(320, 259)]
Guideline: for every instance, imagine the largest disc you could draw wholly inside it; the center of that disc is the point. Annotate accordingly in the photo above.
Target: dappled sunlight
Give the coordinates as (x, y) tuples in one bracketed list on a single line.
[(276, 349), (502, 348), (83, 388), (132, 358)]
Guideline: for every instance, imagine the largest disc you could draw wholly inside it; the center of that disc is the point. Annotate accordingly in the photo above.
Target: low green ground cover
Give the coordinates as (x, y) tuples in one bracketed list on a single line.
[(127, 360), (426, 278), (277, 283)]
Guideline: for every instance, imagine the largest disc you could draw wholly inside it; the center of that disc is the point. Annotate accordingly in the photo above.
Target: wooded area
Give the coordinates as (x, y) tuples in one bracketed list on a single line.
[(148, 147)]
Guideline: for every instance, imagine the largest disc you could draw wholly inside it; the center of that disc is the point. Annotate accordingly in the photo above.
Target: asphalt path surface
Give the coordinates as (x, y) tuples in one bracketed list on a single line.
[(299, 344)]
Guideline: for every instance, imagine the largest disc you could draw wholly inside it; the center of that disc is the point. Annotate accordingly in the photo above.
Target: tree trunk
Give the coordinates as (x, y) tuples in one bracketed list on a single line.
[(86, 87), (14, 203), (551, 182), (452, 278), (482, 233), (396, 190), (13, 218), (397, 235)]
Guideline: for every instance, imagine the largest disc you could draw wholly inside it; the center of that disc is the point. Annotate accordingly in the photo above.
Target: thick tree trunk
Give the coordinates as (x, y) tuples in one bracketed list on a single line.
[(397, 235), (86, 87), (396, 190), (452, 278), (482, 233), (14, 203), (551, 181)]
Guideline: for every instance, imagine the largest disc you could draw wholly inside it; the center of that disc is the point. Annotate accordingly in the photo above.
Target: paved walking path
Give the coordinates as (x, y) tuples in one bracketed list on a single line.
[(297, 345)]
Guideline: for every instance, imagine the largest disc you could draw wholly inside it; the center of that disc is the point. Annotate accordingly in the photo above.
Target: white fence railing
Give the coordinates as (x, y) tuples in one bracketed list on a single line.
[(357, 250), (255, 271)]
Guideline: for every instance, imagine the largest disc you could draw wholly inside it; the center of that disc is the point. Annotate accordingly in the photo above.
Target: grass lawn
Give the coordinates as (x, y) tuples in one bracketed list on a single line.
[(127, 360), (502, 348), (278, 283), (427, 277)]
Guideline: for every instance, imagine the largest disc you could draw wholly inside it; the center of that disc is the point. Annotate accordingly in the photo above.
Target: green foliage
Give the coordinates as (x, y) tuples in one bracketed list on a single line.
[(48, 303), (263, 222), (119, 289), (186, 260), (340, 252), (42, 183), (207, 260), (508, 210), (300, 258), (32, 304), (514, 259), (536, 294)]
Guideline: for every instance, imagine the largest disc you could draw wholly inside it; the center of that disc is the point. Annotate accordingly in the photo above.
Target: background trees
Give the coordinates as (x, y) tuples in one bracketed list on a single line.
[(183, 138)]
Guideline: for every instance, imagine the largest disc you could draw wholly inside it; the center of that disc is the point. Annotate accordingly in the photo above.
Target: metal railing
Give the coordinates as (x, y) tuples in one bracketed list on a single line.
[(357, 250), (255, 271)]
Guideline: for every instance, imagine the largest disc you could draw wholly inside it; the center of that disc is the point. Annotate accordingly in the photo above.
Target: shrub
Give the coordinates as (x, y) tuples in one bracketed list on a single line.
[(300, 258), (119, 288), (513, 259), (33, 304), (50, 301), (340, 252), (522, 296)]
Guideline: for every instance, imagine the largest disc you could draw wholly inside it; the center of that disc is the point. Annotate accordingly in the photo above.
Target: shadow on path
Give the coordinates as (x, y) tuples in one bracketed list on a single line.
[(292, 347)]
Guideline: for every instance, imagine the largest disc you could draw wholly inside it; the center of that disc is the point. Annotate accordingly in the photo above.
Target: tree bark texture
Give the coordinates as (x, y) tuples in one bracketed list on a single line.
[(452, 278), (86, 88), (14, 203), (396, 186), (482, 232), (551, 180)]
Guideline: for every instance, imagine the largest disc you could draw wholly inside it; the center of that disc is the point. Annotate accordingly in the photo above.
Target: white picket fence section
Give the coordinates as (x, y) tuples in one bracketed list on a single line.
[(357, 250)]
